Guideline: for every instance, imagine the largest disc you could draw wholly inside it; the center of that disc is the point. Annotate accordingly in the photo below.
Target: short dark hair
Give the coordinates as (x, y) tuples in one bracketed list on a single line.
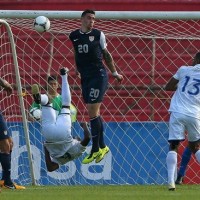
[(87, 11), (198, 55), (197, 58), (52, 78)]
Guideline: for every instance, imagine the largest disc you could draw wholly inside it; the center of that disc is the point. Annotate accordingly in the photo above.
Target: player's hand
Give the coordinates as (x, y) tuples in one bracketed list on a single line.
[(119, 78), (8, 87), (78, 74)]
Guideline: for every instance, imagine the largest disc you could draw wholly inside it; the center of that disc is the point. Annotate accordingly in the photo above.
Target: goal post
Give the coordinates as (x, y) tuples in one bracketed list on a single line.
[(11, 51), (148, 48)]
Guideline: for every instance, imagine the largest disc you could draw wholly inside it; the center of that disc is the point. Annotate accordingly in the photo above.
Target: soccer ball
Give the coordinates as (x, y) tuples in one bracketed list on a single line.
[(41, 24), (36, 113)]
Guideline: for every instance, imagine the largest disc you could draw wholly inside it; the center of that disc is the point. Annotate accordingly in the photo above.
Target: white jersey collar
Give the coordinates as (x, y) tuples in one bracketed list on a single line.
[(81, 32)]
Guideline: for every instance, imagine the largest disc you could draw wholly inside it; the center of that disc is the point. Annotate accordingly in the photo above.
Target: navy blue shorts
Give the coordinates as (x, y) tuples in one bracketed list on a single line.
[(94, 88), (4, 133)]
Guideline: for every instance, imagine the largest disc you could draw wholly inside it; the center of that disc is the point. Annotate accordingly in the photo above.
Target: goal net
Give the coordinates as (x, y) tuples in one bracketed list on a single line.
[(147, 49)]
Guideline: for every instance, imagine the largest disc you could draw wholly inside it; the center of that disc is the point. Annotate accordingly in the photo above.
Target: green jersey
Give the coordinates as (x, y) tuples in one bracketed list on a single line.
[(57, 105)]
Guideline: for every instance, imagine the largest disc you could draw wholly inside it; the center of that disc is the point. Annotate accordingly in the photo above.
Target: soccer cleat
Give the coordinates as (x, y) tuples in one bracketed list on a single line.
[(1, 183), (171, 187), (14, 187), (36, 93), (104, 151), (64, 71), (91, 157), (179, 180)]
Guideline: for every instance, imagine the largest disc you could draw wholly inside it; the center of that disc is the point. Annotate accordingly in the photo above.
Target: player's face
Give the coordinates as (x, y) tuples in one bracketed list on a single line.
[(88, 21), (52, 87)]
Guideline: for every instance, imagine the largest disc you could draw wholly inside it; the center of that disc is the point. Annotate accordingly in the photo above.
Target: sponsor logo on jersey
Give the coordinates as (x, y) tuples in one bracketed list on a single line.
[(5, 133), (75, 40), (91, 38)]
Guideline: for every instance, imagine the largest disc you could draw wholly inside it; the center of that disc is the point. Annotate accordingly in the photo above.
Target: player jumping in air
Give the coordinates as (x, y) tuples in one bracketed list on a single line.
[(59, 146), (89, 51)]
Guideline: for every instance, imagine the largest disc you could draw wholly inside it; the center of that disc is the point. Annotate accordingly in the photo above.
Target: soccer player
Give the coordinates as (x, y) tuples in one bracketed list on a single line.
[(89, 51), (6, 145), (59, 146), (52, 90), (187, 153), (184, 114)]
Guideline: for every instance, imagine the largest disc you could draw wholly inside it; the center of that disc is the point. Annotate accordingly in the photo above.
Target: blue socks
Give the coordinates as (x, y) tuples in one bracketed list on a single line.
[(184, 161)]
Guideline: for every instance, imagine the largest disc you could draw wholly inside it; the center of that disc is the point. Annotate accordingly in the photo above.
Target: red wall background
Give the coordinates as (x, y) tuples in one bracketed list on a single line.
[(121, 5)]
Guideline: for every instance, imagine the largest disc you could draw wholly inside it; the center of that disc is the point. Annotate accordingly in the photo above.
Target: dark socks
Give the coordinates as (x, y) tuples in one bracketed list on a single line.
[(95, 132), (5, 160), (101, 137)]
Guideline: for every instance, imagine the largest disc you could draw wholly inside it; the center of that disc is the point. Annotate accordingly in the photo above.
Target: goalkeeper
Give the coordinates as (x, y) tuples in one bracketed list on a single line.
[(52, 88), (59, 145)]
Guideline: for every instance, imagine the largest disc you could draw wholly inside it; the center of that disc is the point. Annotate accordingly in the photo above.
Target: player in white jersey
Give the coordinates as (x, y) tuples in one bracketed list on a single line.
[(184, 114), (59, 146)]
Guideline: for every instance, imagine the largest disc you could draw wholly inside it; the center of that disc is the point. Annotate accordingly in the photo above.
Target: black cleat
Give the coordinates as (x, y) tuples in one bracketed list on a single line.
[(179, 180), (64, 71), (36, 93)]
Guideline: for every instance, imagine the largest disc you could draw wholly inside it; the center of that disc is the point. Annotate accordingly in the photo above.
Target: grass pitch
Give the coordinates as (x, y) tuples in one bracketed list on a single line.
[(103, 192)]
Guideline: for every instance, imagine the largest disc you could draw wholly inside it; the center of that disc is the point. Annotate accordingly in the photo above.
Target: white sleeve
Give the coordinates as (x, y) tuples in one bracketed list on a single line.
[(177, 75), (103, 41)]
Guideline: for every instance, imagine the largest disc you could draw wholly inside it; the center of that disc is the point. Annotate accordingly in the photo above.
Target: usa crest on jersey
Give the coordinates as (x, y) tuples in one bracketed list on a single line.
[(91, 38)]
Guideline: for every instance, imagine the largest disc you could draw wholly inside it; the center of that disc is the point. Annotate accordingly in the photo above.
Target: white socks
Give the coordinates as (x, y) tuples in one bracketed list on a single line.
[(171, 166), (66, 94)]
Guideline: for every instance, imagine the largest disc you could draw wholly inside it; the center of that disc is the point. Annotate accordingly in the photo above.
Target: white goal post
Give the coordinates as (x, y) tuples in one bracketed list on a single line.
[(147, 47)]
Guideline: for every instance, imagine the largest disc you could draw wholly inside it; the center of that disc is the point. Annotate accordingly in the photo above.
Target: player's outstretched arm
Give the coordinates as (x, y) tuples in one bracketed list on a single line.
[(51, 166), (87, 134), (7, 86), (171, 85), (110, 64)]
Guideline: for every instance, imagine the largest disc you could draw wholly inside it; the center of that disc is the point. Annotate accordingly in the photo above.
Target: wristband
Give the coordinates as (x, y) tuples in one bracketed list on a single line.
[(115, 73)]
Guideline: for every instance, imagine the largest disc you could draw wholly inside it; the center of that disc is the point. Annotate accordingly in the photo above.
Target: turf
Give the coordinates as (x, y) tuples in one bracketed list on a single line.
[(106, 192)]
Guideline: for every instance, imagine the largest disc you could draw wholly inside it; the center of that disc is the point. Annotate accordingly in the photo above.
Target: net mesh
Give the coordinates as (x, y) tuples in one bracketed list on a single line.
[(147, 53)]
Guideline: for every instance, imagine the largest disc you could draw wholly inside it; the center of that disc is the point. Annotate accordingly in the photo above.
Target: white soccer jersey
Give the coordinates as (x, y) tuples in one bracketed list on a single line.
[(186, 99), (57, 134), (65, 151)]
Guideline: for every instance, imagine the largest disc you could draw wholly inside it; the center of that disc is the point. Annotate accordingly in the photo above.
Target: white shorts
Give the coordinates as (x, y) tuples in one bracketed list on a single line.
[(179, 123), (64, 152)]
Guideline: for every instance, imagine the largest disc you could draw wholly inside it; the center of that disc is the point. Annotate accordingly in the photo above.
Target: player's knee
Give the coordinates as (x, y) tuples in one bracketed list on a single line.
[(174, 145), (194, 146), (5, 146)]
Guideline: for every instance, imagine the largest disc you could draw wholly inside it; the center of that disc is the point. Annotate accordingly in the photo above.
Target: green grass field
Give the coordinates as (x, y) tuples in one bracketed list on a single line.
[(143, 192)]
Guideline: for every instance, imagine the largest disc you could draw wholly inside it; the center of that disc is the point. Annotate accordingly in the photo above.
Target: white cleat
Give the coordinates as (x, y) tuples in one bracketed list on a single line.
[(171, 187)]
